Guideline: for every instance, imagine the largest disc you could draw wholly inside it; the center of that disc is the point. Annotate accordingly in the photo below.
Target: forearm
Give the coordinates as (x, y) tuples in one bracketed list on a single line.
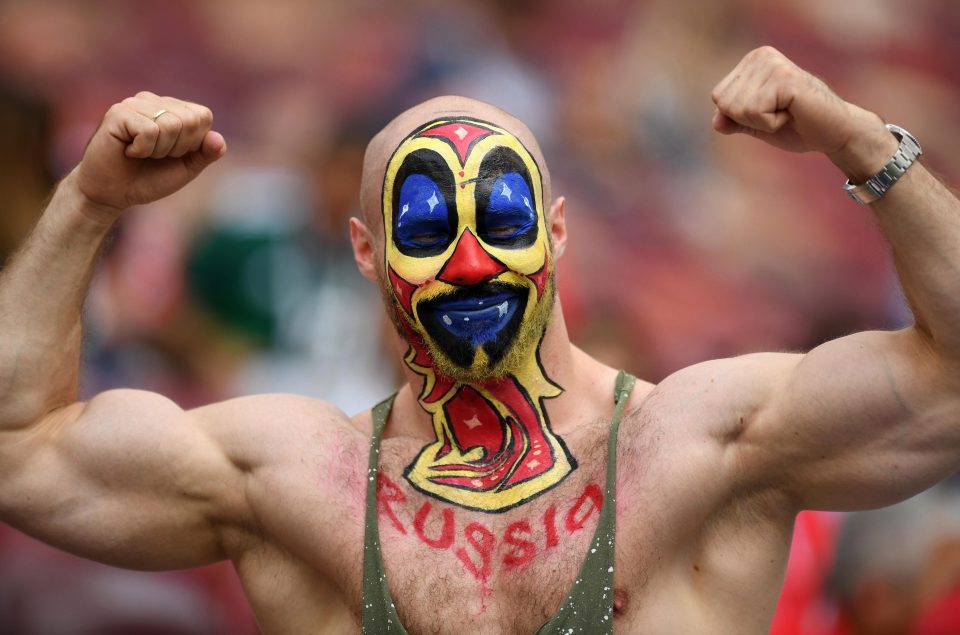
[(920, 218), (42, 290), (922, 222)]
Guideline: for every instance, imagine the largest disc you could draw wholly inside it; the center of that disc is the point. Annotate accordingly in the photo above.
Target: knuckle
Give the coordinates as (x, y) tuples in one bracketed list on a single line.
[(144, 94), (767, 51), (781, 71), (190, 120), (204, 115)]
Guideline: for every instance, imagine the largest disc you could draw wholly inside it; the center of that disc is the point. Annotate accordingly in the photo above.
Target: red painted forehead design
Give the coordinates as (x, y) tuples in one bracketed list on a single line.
[(460, 135)]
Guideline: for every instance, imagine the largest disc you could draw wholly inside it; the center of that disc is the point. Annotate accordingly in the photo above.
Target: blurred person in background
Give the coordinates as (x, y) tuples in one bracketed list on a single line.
[(485, 527), (897, 570)]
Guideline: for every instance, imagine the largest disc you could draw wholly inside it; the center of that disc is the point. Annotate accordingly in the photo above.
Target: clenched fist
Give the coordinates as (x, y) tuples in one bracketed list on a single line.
[(773, 99), (147, 147)]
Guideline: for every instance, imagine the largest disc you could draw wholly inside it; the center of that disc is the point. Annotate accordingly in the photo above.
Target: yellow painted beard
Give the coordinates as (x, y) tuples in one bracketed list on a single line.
[(519, 352)]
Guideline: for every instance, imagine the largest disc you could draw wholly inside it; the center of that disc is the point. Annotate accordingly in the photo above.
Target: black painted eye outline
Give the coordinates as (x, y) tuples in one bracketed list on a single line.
[(510, 213), (425, 168), (422, 217), (501, 226)]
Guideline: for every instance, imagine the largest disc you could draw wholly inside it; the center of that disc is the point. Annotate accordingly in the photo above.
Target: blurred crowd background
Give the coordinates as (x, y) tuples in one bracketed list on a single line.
[(684, 245)]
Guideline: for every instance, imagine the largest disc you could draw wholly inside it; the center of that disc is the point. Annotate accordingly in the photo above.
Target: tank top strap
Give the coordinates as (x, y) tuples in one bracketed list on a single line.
[(379, 613), (588, 608)]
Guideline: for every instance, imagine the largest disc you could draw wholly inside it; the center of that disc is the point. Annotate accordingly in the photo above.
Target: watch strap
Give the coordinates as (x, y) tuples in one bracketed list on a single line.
[(877, 185)]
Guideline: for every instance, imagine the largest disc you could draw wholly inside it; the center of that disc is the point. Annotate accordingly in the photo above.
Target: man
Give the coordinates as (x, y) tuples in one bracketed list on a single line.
[(490, 483), (903, 589)]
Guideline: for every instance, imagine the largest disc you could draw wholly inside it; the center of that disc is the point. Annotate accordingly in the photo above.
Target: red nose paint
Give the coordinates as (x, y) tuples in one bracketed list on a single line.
[(470, 263)]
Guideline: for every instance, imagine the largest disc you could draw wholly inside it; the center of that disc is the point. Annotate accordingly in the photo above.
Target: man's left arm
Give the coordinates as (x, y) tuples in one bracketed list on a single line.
[(872, 418)]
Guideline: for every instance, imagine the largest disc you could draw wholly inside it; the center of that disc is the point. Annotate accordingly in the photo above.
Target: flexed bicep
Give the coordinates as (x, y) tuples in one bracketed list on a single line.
[(859, 422), (128, 478)]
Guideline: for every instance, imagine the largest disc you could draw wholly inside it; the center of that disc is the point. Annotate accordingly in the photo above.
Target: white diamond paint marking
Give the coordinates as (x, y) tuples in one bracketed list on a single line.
[(473, 422)]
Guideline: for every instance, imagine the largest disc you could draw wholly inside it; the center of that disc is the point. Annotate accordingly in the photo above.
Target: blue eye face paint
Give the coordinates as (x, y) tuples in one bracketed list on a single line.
[(506, 210), (422, 219), (424, 208), (509, 214)]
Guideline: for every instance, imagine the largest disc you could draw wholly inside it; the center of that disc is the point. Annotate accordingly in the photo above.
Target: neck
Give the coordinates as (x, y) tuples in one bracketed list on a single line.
[(493, 447)]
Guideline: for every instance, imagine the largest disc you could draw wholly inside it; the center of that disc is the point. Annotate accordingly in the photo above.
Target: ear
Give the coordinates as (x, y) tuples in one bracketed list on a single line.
[(558, 226), (364, 249)]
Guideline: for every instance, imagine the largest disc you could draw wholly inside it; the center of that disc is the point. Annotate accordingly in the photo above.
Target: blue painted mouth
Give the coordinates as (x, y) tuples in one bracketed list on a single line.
[(479, 318)]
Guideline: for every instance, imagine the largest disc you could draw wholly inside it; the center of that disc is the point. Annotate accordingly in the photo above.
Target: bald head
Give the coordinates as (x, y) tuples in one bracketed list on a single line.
[(383, 144)]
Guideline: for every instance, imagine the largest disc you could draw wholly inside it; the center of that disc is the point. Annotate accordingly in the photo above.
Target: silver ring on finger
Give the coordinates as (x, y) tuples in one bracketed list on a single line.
[(159, 113)]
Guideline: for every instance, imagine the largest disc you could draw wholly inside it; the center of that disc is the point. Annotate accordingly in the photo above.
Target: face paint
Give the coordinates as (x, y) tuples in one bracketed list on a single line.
[(468, 261)]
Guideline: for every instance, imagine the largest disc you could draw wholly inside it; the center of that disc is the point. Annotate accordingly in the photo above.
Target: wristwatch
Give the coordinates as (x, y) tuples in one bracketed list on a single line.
[(877, 185)]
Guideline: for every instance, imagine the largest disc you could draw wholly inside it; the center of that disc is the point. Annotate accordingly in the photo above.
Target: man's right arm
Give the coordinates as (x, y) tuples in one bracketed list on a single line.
[(127, 478)]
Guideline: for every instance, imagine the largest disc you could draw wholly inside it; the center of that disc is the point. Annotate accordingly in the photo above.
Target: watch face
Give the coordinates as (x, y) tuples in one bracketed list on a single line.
[(909, 146)]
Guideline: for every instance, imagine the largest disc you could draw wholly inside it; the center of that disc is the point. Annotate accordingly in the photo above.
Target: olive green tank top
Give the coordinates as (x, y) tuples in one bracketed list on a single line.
[(588, 608)]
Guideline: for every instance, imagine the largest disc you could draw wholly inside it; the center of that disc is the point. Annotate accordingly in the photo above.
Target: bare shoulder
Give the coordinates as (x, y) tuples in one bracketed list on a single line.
[(261, 430), (682, 448), (694, 498), (304, 468), (304, 465), (694, 430), (719, 397)]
